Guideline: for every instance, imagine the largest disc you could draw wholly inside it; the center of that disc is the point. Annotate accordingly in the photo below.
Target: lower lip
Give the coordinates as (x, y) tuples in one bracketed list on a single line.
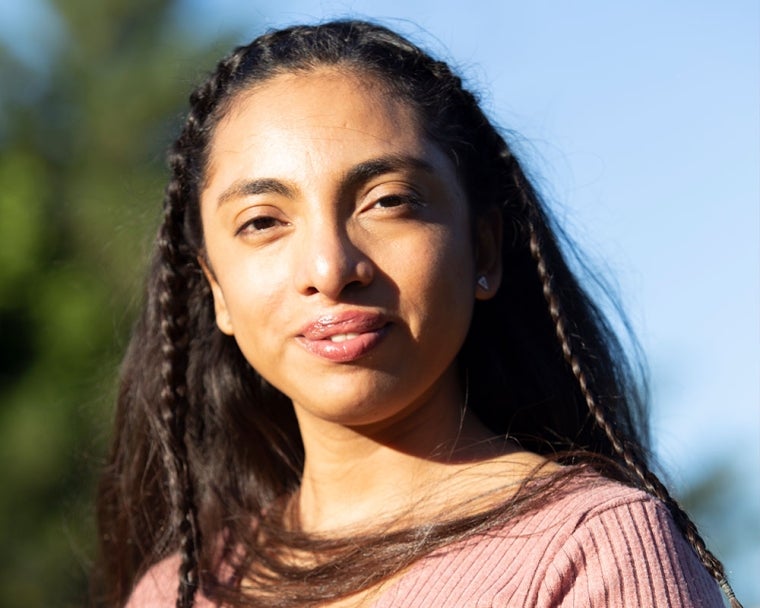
[(346, 351)]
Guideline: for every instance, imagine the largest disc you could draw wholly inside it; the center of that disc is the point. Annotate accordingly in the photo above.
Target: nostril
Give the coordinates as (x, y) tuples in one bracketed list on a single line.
[(331, 265), (355, 284)]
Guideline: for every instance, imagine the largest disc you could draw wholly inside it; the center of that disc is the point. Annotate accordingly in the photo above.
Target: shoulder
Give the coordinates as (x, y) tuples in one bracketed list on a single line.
[(621, 547), (592, 542), (158, 587)]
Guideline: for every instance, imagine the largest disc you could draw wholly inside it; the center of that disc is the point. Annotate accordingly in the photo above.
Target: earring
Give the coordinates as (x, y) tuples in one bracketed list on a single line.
[(483, 282)]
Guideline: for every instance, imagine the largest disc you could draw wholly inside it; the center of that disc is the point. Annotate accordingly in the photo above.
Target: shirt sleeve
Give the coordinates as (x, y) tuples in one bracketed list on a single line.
[(629, 554)]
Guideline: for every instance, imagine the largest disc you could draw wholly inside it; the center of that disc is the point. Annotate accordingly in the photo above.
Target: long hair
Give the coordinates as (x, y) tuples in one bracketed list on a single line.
[(204, 447)]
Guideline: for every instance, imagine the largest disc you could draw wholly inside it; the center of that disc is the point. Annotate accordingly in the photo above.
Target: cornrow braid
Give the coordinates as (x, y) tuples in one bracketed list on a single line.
[(634, 461)]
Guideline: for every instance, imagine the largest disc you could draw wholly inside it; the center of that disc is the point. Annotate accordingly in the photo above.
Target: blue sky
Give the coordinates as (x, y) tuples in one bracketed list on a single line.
[(641, 122)]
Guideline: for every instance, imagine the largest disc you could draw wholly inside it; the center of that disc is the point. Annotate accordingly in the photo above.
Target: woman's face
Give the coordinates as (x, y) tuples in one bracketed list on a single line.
[(338, 246)]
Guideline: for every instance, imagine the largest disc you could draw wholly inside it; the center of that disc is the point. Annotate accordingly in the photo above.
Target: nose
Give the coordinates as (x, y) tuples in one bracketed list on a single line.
[(330, 261)]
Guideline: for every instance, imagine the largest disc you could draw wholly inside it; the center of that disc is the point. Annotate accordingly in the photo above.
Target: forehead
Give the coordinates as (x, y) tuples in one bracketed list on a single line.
[(326, 110)]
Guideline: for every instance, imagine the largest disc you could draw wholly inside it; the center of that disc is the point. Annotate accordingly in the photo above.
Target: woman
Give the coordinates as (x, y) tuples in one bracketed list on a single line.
[(364, 373)]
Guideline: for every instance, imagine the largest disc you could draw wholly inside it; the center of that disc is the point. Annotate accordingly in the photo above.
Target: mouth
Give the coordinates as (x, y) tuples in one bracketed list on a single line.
[(344, 337)]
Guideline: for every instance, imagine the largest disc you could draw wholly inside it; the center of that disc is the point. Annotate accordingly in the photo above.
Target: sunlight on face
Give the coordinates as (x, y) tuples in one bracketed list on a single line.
[(338, 245)]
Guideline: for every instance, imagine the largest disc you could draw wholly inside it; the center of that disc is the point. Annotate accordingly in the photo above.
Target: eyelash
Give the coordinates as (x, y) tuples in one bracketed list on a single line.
[(250, 225), (411, 200)]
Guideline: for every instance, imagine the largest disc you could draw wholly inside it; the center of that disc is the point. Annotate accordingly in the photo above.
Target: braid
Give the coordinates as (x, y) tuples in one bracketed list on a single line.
[(175, 280), (173, 401), (631, 456)]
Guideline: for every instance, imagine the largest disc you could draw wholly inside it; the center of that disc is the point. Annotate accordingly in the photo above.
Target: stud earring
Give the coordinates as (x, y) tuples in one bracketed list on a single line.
[(483, 282)]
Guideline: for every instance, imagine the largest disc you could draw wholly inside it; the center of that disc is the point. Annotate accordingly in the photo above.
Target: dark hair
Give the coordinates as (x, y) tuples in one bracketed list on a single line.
[(204, 446)]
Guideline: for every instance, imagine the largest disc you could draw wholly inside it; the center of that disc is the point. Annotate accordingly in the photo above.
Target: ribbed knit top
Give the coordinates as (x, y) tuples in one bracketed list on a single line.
[(600, 544)]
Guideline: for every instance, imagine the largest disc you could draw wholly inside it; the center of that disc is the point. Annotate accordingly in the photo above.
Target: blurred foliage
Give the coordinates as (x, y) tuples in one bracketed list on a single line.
[(721, 503), (82, 143)]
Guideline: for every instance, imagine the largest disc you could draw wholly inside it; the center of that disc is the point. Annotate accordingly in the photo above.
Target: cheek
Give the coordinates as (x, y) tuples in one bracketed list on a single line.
[(452, 260), (253, 297), (252, 292), (440, 277), (256, 317)]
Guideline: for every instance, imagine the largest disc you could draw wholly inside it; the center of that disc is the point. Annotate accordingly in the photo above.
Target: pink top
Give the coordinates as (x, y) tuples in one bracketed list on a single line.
[(601, 544)]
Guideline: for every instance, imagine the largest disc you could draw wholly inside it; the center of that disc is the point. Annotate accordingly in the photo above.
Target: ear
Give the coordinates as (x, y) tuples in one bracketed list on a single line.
[(488, 237), (223, 321)]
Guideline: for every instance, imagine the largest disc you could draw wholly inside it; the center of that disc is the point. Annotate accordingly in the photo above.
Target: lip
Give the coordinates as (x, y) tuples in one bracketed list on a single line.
[(359, 332)]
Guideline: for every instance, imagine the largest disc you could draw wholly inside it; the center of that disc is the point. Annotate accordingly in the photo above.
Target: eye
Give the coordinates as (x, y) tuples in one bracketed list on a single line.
[(259, 224), (391, 201)]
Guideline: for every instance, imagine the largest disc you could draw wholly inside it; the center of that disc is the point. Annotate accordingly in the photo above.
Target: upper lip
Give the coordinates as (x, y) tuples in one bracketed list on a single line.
[(344, 322)]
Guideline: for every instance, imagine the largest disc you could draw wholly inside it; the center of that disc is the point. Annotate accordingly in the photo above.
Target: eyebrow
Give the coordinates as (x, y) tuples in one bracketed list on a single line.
[(365, 171), (354, 177), (250, 187)]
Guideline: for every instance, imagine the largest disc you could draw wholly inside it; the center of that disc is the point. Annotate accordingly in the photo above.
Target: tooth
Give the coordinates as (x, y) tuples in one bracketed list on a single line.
[(343, 337)]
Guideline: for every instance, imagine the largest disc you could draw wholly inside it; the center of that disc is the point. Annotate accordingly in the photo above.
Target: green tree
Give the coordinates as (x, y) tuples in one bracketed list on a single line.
[(82, 142)]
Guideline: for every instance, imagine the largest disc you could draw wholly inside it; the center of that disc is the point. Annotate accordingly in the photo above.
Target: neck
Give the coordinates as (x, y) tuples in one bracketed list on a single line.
[(358, 476)]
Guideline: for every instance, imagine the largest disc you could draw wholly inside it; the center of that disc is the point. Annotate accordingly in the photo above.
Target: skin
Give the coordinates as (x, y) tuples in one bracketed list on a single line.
[(303, 225)]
